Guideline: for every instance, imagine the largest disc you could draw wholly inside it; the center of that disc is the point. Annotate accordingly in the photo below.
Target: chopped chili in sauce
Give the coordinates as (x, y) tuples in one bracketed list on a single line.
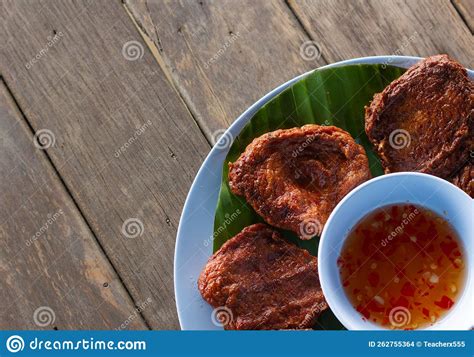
[(402, 267)]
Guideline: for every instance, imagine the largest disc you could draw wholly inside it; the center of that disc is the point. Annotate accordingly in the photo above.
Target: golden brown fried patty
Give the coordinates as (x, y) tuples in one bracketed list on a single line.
[(420, 121), (464, 179), (263, 282), (294, 178)]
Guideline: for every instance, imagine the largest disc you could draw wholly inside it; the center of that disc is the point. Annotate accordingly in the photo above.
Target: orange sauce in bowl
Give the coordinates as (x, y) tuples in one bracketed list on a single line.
[(402, 267)]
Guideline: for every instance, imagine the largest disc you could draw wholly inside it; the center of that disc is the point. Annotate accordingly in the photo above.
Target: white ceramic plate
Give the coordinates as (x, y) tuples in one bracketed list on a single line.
[(194, 240)]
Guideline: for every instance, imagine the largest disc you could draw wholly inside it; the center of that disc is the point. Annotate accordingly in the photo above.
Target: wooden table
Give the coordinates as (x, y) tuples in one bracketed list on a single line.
[(108, 109)]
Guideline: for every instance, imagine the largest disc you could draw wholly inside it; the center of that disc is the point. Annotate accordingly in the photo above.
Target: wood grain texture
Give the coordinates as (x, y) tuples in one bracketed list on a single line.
[(49, 258), (224, 55), (347, 29), (126, 146), (466, 9)]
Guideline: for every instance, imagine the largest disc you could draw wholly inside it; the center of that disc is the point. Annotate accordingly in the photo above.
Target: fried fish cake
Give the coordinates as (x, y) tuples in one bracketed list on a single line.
[(464, 179), (258, 281), (294, 178), (420, 122)]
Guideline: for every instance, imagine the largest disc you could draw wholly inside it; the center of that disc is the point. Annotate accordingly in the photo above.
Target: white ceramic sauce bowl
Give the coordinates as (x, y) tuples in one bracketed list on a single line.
[(420, 189)]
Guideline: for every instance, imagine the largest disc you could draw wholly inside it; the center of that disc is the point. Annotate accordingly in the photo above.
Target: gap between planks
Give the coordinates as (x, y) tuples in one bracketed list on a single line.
[(223, 113), (464, 13), (159, 59), (303, 28)]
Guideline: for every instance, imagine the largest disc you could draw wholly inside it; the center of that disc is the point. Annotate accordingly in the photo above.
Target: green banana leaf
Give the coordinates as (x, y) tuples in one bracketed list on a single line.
[(330, 96)]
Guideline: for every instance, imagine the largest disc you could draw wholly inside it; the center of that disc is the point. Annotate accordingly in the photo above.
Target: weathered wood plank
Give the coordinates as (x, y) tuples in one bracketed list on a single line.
[(347, 29), (224, 55), (126, 146), (466, 9), (53, 273)]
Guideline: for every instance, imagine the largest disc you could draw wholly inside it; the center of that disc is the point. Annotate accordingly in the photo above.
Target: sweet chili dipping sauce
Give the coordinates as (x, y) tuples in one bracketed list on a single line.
[(402, 267)]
